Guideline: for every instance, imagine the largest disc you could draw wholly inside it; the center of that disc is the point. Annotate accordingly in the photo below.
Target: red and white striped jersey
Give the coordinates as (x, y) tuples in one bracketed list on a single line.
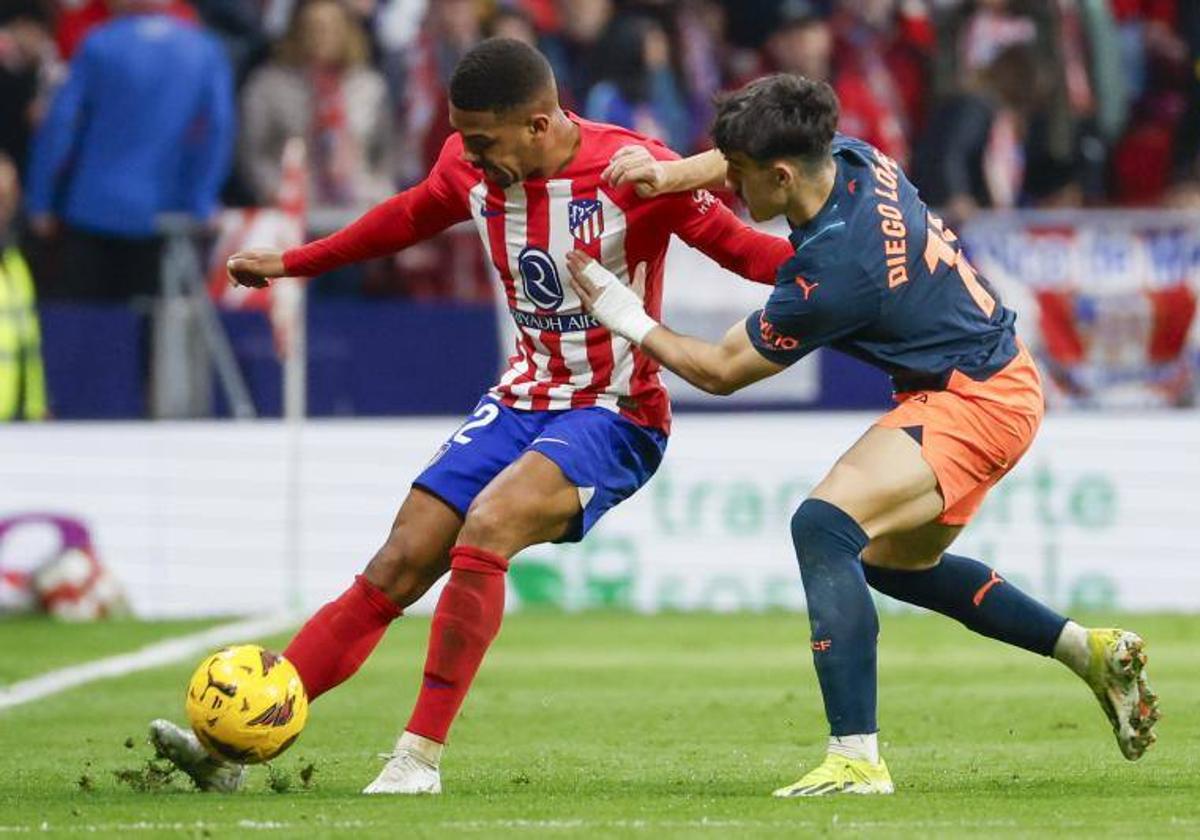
[(563, 358)]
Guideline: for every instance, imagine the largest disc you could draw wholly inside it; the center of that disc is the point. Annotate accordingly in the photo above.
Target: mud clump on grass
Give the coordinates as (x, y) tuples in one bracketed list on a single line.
[(306, 775), (156, 774), (278, 780)]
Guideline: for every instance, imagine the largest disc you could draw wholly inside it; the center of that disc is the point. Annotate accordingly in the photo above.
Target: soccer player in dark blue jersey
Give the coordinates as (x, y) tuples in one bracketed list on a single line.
[(876, 275)]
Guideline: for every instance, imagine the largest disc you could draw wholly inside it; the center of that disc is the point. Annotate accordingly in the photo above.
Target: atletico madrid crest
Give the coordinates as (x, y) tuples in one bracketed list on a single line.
[(586, 218)]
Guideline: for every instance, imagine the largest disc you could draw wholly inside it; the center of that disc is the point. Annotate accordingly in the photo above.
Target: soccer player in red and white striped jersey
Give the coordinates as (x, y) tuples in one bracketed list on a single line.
[(577, 423), (528, 221)]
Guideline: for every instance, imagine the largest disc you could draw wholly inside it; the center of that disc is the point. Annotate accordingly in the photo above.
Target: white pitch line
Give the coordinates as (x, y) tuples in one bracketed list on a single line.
[(151, 656)]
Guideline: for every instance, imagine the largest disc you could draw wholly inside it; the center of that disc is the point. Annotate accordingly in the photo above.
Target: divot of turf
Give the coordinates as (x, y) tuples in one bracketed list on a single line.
[(278, 779), (155, 775)]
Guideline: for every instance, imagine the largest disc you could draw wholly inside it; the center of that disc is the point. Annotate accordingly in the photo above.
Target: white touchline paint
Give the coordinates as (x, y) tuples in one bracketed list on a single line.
[(151, 656)]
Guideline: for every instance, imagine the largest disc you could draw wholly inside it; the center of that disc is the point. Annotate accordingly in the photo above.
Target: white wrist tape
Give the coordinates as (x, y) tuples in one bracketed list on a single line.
[(617, 306)]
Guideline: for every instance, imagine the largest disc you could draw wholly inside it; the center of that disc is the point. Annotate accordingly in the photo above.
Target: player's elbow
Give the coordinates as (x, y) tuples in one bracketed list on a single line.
[(718, 383)]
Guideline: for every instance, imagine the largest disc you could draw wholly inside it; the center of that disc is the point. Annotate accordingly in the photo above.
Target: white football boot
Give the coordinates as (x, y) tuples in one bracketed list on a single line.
[(412, 767), (181, 747)]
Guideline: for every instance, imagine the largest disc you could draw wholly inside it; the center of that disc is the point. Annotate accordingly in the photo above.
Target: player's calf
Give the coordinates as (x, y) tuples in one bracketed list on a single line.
[(339, 637), (465, 623)]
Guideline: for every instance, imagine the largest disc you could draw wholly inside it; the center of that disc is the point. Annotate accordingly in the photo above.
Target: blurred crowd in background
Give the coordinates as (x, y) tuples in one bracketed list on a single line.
[(988, 103)]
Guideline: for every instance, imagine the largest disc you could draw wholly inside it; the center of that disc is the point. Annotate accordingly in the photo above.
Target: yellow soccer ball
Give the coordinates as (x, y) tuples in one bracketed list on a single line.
[(246, 704)]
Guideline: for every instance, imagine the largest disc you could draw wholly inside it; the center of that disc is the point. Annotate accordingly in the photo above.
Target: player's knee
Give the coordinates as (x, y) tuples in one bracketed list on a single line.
[(843, 483), (490, 524), (805, 528), (820, 528), (403, 571)]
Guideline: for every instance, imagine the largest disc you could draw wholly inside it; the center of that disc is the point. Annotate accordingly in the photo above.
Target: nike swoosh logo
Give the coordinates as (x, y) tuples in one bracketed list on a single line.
[(550, 440)]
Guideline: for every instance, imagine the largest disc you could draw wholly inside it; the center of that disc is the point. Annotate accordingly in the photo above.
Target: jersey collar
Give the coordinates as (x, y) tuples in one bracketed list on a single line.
[(828, 210)]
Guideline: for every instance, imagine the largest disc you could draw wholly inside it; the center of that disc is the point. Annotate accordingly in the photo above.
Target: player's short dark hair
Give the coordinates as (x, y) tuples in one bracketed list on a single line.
[(778, 116), (499, 74)]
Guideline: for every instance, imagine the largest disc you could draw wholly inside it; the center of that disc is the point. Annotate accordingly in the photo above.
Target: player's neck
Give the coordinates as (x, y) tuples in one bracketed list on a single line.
[(810, 195), (563, 147)]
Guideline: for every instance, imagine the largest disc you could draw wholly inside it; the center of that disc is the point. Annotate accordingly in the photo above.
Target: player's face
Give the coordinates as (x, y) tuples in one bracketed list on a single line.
[(501, 146), (758, 186)]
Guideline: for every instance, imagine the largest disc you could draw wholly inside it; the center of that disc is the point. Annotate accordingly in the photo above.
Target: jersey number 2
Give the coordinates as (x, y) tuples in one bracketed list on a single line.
[(483, 415), (938, 249)]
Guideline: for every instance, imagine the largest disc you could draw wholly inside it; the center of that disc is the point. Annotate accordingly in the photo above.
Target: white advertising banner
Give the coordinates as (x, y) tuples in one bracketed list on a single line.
[(236, 518)]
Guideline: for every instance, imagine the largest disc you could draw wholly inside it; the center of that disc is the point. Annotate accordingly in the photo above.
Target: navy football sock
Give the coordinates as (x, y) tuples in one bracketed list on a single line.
[(971, 592), (845, 628)]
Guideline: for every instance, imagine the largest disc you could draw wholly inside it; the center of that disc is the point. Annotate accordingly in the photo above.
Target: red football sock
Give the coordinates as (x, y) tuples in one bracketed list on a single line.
[(465, 621), (340, 636)]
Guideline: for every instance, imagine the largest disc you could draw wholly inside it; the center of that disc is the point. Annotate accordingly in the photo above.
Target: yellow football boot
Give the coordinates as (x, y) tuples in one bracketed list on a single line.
[(1117, 676), (838, 774)]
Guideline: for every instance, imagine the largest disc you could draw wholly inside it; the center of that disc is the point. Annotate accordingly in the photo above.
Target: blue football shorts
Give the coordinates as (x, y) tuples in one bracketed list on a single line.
[(606, 456)]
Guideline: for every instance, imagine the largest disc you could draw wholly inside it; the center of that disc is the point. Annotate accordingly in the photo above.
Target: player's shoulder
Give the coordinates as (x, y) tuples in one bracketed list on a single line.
[(824, 284), (853, 148), (452, 150), (450, 165), (826, 264), (885, 215), (827, 250), (451, 178), (826, 245), (602, 140), (860, 166)]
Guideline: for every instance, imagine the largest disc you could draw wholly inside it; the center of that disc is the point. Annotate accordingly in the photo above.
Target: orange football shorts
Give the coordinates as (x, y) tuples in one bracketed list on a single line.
[(972, 433)]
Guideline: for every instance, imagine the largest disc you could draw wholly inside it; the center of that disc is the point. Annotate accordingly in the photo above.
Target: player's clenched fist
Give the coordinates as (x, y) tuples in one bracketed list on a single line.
[(255, 268), (635, 165)]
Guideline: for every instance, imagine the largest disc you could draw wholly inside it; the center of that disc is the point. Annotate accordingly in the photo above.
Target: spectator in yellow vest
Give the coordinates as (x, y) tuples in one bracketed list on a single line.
[(22, 382)]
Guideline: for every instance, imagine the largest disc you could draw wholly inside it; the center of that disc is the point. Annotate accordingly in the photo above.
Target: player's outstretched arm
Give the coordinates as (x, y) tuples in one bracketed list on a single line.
[(392, 226), (720, 368), (651, 176), (404, 219)]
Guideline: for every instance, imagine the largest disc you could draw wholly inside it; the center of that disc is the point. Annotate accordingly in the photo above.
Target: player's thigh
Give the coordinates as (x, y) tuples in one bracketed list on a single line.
[(605, 456), (529, 502), (417, 550), (588, 460), (920, 548), (883, 483), (491, 438)]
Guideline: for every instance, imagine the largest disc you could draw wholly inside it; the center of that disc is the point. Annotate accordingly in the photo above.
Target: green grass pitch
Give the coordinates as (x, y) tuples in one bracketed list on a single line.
[(608, 724)]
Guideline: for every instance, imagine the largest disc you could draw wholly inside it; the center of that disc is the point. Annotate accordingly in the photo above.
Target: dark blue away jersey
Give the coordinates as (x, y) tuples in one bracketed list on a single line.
[(878, 276)]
